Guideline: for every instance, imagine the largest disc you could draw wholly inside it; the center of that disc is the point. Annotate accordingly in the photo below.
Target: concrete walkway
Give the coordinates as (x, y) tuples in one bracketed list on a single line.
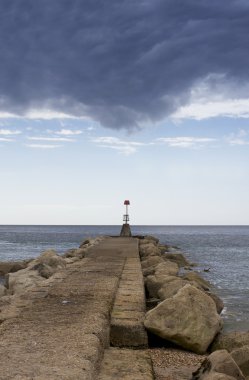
[(65, 332)]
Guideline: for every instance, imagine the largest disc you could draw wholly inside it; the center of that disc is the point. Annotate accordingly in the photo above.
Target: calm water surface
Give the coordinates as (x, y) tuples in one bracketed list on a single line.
[(223, 249)]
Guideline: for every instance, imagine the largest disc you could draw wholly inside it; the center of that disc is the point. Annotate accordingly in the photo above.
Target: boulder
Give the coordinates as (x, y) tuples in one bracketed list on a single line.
[(150, 261), (44, 270), (70, 253), (241, 357), (177, 258), (47, 264), (75, 252), (163, 248), (19, 282), (188, 319), (91, 241), (84, 243), (150, 271), (169, 289), (149, 250), (11, 266), (148, 253), (218, 302), (194, 276), (155, 282), (49, 258), (71, 260), (219, 362), (230, 341), (42, 267), (152, 238), (146, 241), (165, 267), (3, 290)]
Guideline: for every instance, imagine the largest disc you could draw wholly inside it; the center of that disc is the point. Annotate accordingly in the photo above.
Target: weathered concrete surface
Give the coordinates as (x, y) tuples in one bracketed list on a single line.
[(127, 327), (63, 329), (125, 364)]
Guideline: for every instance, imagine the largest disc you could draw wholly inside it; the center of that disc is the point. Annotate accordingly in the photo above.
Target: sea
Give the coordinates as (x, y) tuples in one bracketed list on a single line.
[(222, 251)]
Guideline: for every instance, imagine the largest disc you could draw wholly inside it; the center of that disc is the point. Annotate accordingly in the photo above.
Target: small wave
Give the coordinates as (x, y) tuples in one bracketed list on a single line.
[(6, 243), (224, 311)]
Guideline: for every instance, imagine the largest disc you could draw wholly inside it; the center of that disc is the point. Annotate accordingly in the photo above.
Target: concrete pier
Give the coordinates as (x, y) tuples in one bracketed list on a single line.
[(66, 329), (125, 230)]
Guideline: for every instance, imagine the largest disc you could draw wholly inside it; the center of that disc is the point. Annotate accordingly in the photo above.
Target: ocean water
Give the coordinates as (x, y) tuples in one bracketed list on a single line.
[(223, 249)]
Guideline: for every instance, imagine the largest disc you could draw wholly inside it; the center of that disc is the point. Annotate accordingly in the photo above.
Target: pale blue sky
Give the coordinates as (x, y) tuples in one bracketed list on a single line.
[(104, 101), (69, 171)]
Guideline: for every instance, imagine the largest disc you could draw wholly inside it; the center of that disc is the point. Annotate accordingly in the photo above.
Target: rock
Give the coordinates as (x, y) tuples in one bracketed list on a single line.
[(150, 261), (12, 266), (85, 242), (44, 270), (194, 276), (230, 341), (47, 264), (219, 362), (155, 282), (149, 250), (90, 242), (188, 268), (80, 252), (150, 271), (75, 252), (167, 267), (152, 238), (169, 289), (69, 253), (177, 258), (149, 253), (71, 260), (241, 357), (50, 258), (146, 241), (19, 282), (3, 290), (151, 303), (218, 302), (188, 319), (42, 267), (163, 248)]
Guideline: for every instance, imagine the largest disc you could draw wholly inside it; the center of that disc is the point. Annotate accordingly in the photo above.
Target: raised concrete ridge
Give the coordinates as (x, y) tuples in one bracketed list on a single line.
[(64, 330), (127, 328)]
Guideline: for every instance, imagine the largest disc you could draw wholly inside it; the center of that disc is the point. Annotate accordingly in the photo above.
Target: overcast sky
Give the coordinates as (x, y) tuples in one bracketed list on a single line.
[(102, 101)]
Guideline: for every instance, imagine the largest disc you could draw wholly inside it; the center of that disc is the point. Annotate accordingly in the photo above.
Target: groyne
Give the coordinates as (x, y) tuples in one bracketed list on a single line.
[(87, 315)]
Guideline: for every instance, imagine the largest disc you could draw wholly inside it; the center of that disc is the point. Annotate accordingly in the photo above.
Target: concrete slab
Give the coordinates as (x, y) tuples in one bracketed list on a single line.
[(63, 330), (125, 364)]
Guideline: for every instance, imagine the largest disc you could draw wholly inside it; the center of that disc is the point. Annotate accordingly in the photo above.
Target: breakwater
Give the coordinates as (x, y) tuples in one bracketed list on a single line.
[(83, 315), (223, 249)]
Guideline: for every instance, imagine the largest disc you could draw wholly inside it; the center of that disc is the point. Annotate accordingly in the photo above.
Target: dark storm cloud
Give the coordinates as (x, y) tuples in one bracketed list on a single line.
[(120, 62)]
